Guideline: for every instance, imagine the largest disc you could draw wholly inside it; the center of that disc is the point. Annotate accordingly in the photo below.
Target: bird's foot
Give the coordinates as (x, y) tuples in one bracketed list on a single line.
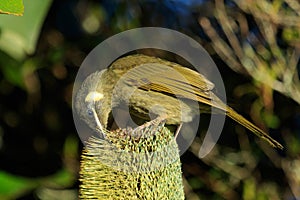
[(150, 127)]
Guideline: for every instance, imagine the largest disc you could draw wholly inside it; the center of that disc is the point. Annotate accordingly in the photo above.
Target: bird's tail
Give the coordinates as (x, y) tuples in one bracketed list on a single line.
[(257, 131)]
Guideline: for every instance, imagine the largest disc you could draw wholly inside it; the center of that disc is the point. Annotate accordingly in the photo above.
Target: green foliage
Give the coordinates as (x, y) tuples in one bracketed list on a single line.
[(11, 185), (13, 7), (19, 35)]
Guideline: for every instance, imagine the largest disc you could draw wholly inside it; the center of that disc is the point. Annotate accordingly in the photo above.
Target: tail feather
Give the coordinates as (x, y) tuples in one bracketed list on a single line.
[(257, 131)]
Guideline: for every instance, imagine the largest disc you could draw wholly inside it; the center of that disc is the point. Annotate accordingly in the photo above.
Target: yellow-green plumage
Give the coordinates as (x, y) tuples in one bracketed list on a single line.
[(158, 82)]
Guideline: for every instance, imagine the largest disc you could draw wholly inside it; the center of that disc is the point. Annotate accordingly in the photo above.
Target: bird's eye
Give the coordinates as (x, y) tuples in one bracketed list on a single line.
[(90, 112)]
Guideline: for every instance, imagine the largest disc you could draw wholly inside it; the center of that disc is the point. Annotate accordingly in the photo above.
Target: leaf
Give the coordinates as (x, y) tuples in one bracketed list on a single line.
[(11, 185), (62, 178), (271, 120), (18, 35), (13, 7)]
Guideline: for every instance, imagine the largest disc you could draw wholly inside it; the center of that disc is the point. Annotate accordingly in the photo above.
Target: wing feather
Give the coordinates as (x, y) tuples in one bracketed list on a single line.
[(158, 75)]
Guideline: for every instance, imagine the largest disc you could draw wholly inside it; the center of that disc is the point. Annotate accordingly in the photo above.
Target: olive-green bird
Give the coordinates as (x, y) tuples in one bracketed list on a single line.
[(147, 84)]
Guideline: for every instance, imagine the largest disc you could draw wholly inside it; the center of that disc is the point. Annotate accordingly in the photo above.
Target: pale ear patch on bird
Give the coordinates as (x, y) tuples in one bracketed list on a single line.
[(94, 96)]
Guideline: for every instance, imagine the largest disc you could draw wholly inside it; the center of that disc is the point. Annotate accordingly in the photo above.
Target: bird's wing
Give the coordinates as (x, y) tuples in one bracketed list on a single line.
[(147, 67), (173, 80), (183, 82)]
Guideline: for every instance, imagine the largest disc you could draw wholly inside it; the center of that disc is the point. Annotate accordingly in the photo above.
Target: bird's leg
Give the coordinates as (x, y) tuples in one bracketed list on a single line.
[(178, 130), (157, 122)]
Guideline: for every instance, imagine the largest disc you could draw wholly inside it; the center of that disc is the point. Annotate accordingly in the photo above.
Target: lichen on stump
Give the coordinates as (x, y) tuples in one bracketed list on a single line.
[(132, 164)]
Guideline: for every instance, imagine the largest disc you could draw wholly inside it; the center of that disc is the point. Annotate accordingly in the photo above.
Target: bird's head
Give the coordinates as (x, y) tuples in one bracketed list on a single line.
[(90, 100)]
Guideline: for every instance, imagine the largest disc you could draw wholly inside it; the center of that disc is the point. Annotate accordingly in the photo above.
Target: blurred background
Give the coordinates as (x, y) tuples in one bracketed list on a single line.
[(255, 44)]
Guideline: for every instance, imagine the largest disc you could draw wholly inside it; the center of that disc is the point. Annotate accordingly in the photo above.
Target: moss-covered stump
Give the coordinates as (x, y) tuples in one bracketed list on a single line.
[(140, 164)]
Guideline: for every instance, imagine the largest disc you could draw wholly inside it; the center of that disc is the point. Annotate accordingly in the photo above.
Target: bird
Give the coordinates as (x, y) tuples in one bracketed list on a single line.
[(148, 83)]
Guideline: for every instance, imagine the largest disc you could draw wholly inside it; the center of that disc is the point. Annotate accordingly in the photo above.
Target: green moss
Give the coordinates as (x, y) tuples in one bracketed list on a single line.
[(140, 165)]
